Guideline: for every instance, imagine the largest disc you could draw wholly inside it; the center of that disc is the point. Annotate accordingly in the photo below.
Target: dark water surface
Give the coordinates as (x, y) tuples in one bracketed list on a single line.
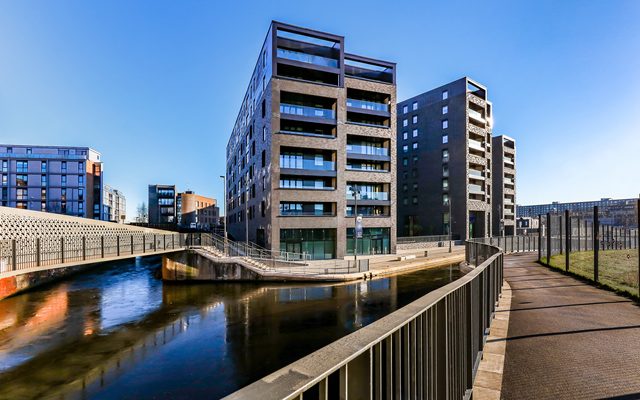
[(118, 333)]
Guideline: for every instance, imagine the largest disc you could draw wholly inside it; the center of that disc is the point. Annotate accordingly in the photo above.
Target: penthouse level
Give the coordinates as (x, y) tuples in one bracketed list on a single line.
[(315, 124)]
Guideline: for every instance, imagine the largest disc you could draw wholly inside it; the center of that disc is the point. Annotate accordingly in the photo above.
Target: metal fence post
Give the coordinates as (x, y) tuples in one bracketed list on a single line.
[(477, 255), (38, 251), (173, 241), (560, 227), (84, 248), (596, 242), (164, 240), (539, 237), (567, 246), (638, 247), (155, 243), (14, 255), (62, 250), (101, 246), (578, 220), (144, 243), (131, 243), (118, 245), (548, 238)]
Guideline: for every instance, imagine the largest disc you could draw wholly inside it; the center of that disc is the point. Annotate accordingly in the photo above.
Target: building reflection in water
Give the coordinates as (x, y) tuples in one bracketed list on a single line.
[(118, 332)]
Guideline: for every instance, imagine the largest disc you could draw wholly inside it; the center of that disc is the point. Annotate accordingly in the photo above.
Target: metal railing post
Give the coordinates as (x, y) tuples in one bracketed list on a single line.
[(638, 247), (84, 248), (144, 243), (567, 245), (164, 240), (62, 250), (131, 243), (539, 237), (101, 246), (548, 231), (38, 251), (155, 243), (14, 255), (596, 244), (118, 245)]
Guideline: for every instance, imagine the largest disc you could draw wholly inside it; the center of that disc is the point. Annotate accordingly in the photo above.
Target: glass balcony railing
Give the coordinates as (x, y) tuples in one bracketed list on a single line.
[(475, 115), (474, 144), (308, 164), (508, 181), (307, 111), (474, 173), (475, 188), (367, 105), (312, 213), (367, 150), (369, 196), (307, 58), (508, 161)]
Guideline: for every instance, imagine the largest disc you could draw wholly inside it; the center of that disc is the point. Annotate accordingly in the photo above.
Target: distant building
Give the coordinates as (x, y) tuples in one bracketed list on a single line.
[(617, 212), (504, 185), (114, 205), (444, 161), (57, 179), (162, 204), (195, 211)]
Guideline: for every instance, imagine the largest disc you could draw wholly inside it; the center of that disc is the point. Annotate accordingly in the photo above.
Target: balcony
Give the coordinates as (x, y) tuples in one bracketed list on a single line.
[(369, 150), (476, 147), (313, 165), (294, 127), (290, 209), (367, 166), (307, 111), (476, 174), (367, 105), (364, 196), (475, 189), (299, 183), (509, 162), (307, 58), (296, 162), (365, 68)]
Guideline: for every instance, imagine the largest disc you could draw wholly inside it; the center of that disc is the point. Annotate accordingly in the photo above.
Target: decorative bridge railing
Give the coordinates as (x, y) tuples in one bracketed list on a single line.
[(430, 348)]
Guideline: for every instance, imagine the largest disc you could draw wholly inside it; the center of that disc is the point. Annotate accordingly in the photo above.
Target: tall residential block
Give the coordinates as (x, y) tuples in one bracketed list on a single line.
[(114, 205), (162, 204), (315, 123), (504, 185), (57, 179), (444, 161), (196, 211)]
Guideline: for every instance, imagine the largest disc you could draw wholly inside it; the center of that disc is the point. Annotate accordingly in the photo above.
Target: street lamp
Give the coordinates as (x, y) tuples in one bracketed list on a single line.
[(356, 192), (224, 201)]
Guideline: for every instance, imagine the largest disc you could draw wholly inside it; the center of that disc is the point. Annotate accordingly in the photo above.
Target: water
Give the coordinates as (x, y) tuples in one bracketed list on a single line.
[(119, 332)]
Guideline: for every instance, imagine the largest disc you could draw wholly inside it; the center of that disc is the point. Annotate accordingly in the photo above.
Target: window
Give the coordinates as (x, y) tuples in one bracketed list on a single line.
[(404, 187), (43, 180), (405, 109), (405, 161), (414, 106), (9, 149), (415, 133), (21, 166), (415, 187), (445, 94), (445, 138), (63, 167), (264, 107), (445, 184), (22, 180), (5, 165), (405, 122), (5, 181), (445, 170), (21, 194), (43, 206), (415, 146), (415, 159), (43, 166), (63, 180), (264, 158), (445, 109), (445, 155), (43, 194), (80, 166), (445, 123), (81, 180), (80, 194), (405, 201), (445, 199), (415, 200), (414, 119), (405, 135), (405, 148), (29, 151)]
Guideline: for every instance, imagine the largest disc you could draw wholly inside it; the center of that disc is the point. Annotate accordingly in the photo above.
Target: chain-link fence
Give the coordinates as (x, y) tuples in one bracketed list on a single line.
[(593, 245)]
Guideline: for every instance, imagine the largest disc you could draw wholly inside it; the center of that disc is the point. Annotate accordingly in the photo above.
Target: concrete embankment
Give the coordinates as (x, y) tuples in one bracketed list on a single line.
[(199, 265)]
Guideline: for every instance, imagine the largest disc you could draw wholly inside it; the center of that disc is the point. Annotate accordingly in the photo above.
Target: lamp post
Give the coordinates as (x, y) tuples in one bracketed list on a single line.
[(224, 201), (356, 193)]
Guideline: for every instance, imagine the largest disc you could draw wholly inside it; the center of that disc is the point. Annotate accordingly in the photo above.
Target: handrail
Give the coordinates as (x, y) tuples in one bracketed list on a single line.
[(429, 348)]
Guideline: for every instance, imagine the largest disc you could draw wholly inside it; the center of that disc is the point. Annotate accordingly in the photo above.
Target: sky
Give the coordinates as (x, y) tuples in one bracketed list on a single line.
[(155, 86)]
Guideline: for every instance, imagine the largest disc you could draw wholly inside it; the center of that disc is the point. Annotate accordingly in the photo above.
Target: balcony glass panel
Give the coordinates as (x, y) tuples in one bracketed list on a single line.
[(370, 150), (367, 105), (475, 188), (475, 115), (307, 111), (476, 173), (369, 196), (298, 162), (307, 58), (474, 144)]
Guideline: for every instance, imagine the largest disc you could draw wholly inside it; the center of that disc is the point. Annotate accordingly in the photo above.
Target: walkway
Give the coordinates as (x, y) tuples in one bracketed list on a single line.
[(567, 339)]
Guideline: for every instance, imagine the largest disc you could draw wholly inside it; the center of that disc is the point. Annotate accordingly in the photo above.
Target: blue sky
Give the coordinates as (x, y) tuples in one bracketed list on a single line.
[(155, 86)]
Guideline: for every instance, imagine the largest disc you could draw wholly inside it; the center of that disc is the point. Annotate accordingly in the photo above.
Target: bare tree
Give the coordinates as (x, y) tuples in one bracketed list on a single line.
[(142, 213)]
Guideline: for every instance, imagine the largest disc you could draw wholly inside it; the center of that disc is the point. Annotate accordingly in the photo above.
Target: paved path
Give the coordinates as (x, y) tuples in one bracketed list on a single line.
[(566, 339)]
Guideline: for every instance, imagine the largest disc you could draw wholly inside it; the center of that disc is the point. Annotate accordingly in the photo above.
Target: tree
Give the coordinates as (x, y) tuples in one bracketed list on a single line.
[(142, 213)]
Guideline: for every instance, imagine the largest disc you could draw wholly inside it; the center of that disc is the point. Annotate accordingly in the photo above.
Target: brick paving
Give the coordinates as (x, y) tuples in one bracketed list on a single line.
[(567, 339)]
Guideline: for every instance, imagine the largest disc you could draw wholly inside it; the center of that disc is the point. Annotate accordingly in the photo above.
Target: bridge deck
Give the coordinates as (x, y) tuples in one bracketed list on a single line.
[(566, 338)]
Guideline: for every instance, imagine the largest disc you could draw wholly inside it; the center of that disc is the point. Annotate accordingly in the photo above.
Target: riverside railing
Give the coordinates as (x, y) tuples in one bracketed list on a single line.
[(430, 348), (19, 254), (600, 244)]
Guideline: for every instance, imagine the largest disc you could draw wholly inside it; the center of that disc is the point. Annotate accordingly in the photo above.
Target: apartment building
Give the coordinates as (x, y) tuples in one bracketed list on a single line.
[(114, 206), (196, 211), (57, 179), (162, 204), (615, 212), (444, 161), (315, 124), (504, 185)]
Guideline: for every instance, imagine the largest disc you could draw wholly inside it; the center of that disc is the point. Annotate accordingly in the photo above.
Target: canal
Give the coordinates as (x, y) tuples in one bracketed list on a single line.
[(118, 332)]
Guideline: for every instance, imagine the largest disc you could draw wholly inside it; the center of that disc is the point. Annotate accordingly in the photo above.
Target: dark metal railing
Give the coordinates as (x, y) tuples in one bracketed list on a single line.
[(430, 348)]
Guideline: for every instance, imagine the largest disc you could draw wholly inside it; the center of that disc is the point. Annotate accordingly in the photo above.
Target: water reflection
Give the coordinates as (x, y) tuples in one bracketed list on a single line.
[(118, 332)]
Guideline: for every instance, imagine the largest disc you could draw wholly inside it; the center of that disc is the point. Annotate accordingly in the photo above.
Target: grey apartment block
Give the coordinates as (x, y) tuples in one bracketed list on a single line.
[(114, 205), (162, 204), (444, 161), (616, 212), (315, 122), (57, 179), (504, 185)]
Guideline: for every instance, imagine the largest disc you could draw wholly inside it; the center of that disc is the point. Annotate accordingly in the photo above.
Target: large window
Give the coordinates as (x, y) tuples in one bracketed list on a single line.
[(21, 166), (445, 155), (414, 106), (405, 109), (318, 244), (445, 94), (414, 119), (445, 124), (373, 241), (445, 109), (22, 180)]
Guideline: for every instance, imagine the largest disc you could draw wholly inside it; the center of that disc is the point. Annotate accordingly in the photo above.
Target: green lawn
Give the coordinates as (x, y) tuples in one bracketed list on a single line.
[(617, 269)]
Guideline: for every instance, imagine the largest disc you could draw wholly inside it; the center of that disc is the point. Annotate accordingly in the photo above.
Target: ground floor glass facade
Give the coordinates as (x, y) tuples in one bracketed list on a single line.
[(320, 244), (374, 241)]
